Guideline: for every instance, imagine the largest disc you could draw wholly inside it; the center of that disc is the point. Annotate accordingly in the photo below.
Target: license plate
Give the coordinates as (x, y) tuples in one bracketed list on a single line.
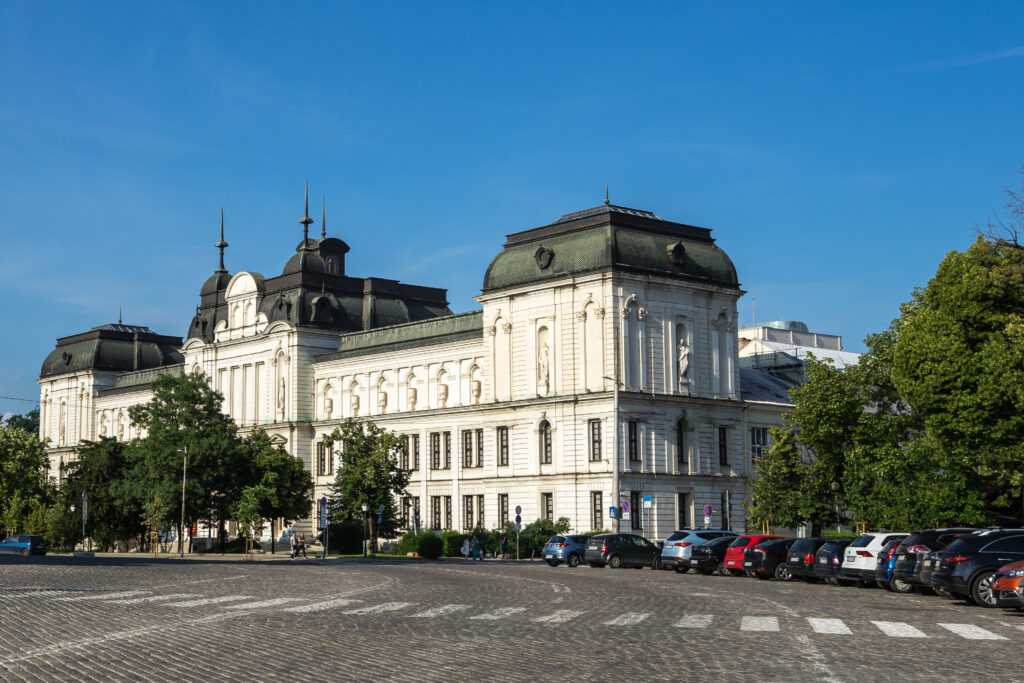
[(549, 557), (822, 560), (748, 564), (694, 561), (927, 563), (901, 557), (794, 559)]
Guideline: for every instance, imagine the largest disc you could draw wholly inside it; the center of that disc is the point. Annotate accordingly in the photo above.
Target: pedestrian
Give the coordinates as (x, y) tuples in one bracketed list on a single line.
[(504, 547), (465, 548), (475, 546), (293, 543), (302, 544)]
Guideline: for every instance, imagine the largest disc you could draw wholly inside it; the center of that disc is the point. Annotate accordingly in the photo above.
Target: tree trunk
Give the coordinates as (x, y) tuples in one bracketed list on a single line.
[(373, 537)]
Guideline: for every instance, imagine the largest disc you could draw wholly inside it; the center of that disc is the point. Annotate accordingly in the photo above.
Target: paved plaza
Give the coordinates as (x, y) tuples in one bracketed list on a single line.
[(117, 618)]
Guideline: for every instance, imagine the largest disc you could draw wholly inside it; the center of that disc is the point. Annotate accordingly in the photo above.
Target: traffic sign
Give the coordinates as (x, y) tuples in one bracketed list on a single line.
[(707, 512), (519, 509), (707, 520), (518, 520), (519, 527), (625, 506), (611, 512), (648, 502)]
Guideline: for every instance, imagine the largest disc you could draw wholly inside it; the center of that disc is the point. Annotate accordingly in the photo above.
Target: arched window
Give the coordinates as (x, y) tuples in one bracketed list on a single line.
[(545, 443)]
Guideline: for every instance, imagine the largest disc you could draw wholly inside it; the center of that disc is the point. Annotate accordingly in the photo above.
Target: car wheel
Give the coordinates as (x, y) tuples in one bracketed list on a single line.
[(656, 565), (981, 590), (898, 585), (553, 563), (614, 561), (595, 565), (574, 560), (782, 572), (831, 580), (682, 570), (722, 571)]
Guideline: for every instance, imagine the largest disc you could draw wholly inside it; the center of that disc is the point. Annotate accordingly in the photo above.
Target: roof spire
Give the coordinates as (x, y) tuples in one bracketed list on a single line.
[(306, 220), (606, 202), (119, 315), (221, 244), (323, 217)]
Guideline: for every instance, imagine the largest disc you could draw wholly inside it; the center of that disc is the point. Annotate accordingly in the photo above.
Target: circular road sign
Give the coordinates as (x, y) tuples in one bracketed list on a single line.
[(519, 509), (707, 510)]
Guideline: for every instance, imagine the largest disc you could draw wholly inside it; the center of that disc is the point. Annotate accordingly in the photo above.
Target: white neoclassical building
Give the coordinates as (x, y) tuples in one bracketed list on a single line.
[(601, 370)]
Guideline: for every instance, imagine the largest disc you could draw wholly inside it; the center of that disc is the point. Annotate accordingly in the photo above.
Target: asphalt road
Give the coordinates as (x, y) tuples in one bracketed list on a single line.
[(118, 618)]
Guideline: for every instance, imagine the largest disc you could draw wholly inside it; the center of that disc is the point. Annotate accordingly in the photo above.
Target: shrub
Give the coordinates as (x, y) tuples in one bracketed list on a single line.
[(452, 543), (407, 544), (345, 538), (429, 545), (598, 532)]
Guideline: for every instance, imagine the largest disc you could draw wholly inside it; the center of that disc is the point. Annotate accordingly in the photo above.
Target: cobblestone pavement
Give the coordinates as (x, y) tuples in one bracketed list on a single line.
[(117, 618)]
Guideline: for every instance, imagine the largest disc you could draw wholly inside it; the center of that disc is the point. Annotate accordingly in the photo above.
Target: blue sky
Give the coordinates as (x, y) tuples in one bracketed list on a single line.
[(837, 151)]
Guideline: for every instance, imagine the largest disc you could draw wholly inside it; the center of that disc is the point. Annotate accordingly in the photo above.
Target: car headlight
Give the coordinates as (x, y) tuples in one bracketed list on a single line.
[(1015, 573)]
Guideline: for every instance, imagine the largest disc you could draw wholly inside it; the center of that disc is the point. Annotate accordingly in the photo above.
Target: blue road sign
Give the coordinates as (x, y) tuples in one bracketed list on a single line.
[(518, 519), (611, 512), (707, 510), (625, 506)]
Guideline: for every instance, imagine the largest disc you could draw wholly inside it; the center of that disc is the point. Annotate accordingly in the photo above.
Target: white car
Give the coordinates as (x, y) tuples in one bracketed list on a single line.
[(860, 559)]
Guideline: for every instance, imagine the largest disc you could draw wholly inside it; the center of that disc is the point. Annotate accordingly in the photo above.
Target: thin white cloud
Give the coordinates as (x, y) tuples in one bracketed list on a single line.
[(965, 60)]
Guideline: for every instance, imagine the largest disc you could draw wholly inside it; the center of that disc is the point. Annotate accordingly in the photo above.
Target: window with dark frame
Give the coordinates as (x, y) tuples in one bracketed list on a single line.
[(681, 456), (723, 446), (417, 521), (448, 512), (467, 506), (634, 445), (415, 452), (403, 457), (596, 510), (406, 511), (435, 511), (758, 442), (480, 511), (545, 443), (595, 442), (467, 448), (503, 508), (502, 447), (726, 510), (479, 448), (447, 450), (435, 450), (634, 510), (321, 459), (684, 511), (547, 502)]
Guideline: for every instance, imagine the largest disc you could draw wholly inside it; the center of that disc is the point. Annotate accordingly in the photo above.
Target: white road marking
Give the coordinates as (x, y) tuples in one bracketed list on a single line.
[(39, 593), (377, 609), (105, 596), (500, 613), (153, 598), (321, 606), (759, 624), (628, 619), (695, 621), (834, 626), (898, 629), (558, 617), (440, 611), (208, 601), (262, 603), (971, 632)]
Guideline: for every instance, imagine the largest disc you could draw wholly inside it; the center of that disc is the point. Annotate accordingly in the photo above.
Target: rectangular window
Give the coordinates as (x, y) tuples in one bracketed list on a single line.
[(479, 448), (467, 448), (415, 452), (321, 459), (330, 460), (635, 511), (723, 446), (435, 511), (403, 457), (681, 456), (684, 511), (480, 512), (545, 443), (435, 450), (758, 442), (406, 511), (502, 447), (503, 508), (467, 505), (726, 510), (634, 446), (447, 450), (595, 443), (416, 520), (448, 512), (596, 510), (547, 506)]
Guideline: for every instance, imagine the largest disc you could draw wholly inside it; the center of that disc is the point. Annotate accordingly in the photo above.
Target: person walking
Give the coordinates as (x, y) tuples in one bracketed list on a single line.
[(465, 548), (504, 547), (302, 544), (475, 546), (293, 543)]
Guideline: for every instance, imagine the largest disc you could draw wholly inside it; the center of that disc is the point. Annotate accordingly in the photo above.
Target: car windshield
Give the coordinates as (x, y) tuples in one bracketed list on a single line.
[(863, 541), (677, 535)]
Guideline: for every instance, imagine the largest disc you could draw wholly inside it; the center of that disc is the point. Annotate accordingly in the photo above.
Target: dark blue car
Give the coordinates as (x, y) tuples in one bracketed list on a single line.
[(886, 563), (23, 544), (829, 559)]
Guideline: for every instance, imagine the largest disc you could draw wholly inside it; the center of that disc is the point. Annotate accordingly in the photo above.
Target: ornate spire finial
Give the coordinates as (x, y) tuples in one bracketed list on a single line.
[(119, 315), (606, 202), (306, 220), (222, 244), (323, 217)]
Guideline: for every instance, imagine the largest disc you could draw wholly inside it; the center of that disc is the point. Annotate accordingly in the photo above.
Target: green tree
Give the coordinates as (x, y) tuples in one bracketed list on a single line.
[(29, 421), (102, 470), (777, 496), (369, 474), (24, 480)]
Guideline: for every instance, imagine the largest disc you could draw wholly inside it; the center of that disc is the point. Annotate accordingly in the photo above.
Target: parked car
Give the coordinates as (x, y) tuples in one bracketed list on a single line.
[(709, 557), (622, 550), (860, 556), (885, 562), (23, 544), (968, 565), (768, 559), (568, 549), (677, 548), (906, 574), (829, 560), (1006, 586), (734, 555), (800, 561)]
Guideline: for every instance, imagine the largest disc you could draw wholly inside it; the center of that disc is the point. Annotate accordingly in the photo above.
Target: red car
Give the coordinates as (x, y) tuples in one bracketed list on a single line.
[(733, 562)]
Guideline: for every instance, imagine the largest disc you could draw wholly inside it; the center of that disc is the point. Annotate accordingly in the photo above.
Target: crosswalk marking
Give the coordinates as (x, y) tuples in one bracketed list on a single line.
[(104, 596), (558, 616), (321, 606), (440, 611), (628, 619), (262, 603), (154, 598), (208, 601), (898, 629), (377, 609), (759, 624), (500, 613), (39, 593), (695, 621), (971, 632), (835, 626)]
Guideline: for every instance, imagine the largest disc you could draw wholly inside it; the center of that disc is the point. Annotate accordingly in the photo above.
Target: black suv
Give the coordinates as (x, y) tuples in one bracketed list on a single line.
[(906, 573), (622, 550), (800, 561), (968, 565), (769, 559)]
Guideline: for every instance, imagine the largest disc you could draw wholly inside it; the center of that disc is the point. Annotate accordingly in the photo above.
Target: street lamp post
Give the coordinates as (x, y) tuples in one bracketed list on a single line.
[(365, 508), (181, 533), (615, 429)]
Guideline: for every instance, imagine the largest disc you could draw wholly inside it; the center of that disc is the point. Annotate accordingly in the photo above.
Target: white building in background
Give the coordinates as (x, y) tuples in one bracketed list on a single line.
[(602, 367), (780, 347)]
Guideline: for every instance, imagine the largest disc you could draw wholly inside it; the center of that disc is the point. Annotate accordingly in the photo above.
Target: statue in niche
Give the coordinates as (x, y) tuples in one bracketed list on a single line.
[(120, 431), (475, 389), (103, 426), (63, 416), (329, 407), (442, 395), (382, 401), (355, 405), (543, 367), (281, 393), (412, 398), (683, 361)]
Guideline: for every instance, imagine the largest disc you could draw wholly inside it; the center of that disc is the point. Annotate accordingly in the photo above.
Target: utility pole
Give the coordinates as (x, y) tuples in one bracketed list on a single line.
[(615, 423), (184, 473)]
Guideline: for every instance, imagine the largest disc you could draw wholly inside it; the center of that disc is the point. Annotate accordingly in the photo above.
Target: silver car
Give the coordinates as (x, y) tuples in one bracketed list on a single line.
[(676, 552)]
